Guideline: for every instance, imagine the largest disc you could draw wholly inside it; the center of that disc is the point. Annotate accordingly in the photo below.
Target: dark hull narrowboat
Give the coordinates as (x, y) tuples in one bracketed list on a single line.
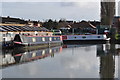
[(38, 41)]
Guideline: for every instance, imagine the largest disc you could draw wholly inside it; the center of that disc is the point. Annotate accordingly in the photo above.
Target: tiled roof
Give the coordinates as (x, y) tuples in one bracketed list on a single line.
[(22, 28)]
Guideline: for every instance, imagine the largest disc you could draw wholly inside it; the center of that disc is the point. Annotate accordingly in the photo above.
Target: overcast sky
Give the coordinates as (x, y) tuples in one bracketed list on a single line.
[(53, 10)]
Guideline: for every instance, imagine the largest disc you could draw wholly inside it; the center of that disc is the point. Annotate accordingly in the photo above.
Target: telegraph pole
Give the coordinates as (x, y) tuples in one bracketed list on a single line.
[(107, 14), (107, 63)]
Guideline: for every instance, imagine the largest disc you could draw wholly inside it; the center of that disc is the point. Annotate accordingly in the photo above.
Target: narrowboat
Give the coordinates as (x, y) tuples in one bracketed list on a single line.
[(36, 40), (91, 38)]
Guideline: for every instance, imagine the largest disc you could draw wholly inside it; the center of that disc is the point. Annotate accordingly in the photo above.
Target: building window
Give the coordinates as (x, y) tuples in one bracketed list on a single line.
[(3, 35)]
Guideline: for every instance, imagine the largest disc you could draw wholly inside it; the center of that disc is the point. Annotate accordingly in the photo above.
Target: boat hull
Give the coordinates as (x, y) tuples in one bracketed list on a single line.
[(85, 41)]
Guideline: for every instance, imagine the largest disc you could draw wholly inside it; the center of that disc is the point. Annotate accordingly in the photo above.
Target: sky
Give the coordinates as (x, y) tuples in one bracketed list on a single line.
[(43, 10), (119, 8)]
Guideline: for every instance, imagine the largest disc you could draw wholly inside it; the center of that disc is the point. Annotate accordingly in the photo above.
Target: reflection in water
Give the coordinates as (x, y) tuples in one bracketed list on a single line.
[(75, 61), (15, 56), (107, 53)]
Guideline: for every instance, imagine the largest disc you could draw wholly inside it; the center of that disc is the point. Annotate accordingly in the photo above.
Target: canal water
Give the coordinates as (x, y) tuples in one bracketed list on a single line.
[(67, 61)]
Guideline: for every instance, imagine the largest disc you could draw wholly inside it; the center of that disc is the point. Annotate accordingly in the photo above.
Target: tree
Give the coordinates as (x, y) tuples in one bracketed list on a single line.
[(50, 24)]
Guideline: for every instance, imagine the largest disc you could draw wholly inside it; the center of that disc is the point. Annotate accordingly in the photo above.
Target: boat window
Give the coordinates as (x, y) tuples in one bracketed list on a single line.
[(56, 31), (43, 39), (50, 39), (98, 36), (84, 37), (33, 39), (58, 38), (54, 38), (43, 52)]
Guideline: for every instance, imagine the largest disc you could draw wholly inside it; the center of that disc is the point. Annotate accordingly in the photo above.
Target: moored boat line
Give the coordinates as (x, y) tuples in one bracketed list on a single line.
[(12, 36), (46, 41)]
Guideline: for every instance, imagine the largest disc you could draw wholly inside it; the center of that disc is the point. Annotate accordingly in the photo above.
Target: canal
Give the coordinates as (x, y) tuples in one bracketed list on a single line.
[(67, 61)]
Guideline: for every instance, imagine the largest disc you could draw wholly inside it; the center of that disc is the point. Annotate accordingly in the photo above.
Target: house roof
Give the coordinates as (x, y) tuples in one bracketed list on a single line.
[(22, 28), (83, 24)]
